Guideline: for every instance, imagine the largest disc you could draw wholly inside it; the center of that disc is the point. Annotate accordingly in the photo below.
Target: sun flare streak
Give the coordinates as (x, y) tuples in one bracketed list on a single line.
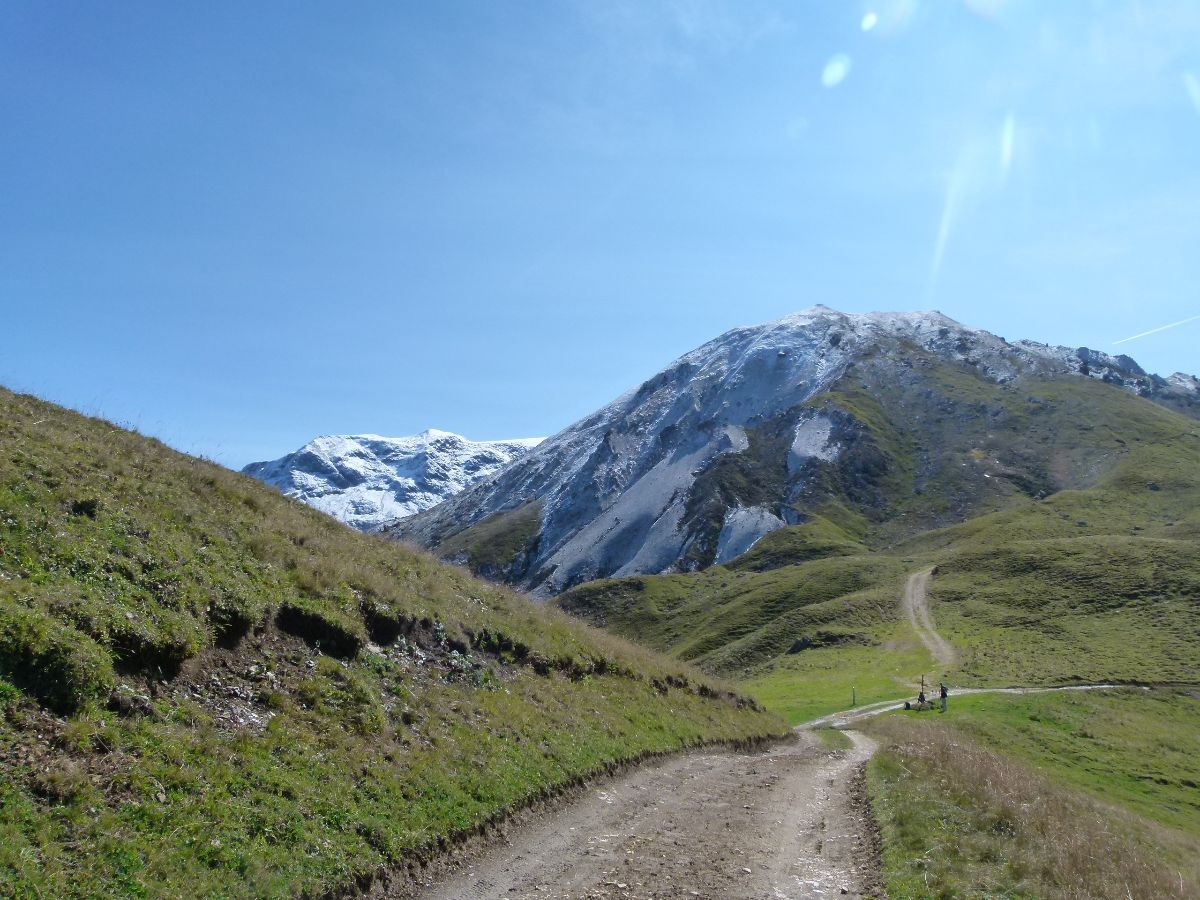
[(1008, 140), (949, 208), (957, 188), (1192, 85)]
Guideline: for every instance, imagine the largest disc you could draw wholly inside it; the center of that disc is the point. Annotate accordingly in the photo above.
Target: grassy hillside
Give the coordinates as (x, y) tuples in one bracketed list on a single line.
[(499, 547), (1088, 571), (805, 640), (1139, 748), (207, 688), (1050, 795)]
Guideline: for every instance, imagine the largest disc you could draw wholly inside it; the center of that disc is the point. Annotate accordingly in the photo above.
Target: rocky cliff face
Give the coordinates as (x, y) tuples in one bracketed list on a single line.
[(366, 480), (760, 428)]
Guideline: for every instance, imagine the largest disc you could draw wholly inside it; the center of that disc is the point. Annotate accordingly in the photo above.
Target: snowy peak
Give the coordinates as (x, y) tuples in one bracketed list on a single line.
[(366, 480), (735, 439)]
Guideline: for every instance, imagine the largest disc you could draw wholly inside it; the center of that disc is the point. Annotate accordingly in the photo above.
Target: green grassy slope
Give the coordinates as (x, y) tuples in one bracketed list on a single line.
[(1078, 558), (829, 625), (206, 688), (726, 618), (1138, 747), (1051, 795), (499, 547)]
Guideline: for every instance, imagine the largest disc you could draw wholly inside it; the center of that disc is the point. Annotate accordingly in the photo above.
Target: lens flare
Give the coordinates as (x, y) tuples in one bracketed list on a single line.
[(835, 70), (1192, 85), (951, 203), (1008, 140), (970, 176), (888, 18), (989, 9)]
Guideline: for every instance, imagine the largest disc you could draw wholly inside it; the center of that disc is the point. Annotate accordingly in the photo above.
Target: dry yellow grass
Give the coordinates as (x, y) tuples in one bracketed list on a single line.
[(961, 820)]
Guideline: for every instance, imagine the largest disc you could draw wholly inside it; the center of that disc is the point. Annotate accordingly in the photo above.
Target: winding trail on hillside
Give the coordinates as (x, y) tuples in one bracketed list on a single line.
[(788, 822), (850, 716), (916, 607)]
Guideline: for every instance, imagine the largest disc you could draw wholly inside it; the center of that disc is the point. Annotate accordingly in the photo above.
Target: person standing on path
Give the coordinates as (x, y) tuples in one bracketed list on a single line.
[(945, 694)]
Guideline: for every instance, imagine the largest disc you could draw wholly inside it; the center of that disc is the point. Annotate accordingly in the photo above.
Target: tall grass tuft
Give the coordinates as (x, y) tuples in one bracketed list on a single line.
[(961, 820)]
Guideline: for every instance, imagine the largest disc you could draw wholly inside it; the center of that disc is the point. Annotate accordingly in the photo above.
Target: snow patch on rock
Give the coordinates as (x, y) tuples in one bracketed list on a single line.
[(811, 439), (738, 440), (743, 527)]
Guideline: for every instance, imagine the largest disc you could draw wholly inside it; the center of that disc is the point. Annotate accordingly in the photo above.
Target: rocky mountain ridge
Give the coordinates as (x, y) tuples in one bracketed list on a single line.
[(738, 438), (366, 480)]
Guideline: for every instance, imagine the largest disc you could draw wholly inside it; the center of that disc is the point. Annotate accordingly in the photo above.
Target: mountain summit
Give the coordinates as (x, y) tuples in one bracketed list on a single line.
[(774, 425), (366, 480)]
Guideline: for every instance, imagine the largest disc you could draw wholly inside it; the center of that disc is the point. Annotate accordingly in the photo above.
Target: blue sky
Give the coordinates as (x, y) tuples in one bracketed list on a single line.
[(236, 226)]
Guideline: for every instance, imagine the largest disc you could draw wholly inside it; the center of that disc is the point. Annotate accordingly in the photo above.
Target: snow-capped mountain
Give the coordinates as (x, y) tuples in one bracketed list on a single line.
[(724, 445), (366, 480)]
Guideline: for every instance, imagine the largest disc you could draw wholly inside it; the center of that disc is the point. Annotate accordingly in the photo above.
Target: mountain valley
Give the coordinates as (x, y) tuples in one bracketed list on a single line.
[(208, 686)]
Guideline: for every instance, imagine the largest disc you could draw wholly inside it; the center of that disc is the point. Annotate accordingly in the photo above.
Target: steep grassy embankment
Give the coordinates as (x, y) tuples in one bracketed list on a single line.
[(1048, 795), (1097, 578), (208, 689)]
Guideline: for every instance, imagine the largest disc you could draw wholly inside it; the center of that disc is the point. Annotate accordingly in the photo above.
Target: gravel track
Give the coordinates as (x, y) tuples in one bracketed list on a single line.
[(916, 607), (788, 822)]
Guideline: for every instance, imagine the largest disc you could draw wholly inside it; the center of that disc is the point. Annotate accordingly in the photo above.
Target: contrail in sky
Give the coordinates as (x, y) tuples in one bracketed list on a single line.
[(1156, 330)]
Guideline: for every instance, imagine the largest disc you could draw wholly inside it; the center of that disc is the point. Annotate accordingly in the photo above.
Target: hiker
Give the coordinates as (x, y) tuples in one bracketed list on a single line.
[(945, 694), (921, 698)]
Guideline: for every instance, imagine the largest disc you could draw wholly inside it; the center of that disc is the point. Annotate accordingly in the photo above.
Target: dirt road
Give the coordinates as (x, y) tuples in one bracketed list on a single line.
[(790, 822), (784, 823), (917, 609), (850, 716)]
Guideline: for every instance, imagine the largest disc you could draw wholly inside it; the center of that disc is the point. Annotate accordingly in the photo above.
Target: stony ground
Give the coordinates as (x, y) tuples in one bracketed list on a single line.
[(789, 822)]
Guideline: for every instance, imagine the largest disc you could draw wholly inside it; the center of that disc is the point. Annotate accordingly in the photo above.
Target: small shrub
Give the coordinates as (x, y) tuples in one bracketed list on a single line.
[(54, 662), (10, 695), (62, 782)]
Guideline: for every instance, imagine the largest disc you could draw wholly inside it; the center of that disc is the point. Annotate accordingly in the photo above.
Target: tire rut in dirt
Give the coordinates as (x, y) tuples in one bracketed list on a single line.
[(776, 824)]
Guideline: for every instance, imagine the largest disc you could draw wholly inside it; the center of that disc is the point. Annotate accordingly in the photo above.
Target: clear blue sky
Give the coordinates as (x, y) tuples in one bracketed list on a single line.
[(239, 225)]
